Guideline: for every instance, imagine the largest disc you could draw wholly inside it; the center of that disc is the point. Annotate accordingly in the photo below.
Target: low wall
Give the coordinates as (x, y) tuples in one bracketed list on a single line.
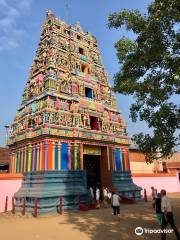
[(169, 182), (9, 184)]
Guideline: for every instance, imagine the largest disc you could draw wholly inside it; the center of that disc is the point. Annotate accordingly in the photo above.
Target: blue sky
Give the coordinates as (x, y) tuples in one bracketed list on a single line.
[(20, 24)]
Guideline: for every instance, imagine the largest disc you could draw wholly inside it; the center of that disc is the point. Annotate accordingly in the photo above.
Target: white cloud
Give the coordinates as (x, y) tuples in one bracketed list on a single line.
[(11, 12)]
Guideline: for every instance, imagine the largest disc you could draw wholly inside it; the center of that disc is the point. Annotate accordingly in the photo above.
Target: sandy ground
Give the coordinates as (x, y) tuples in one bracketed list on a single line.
[(94, 224)]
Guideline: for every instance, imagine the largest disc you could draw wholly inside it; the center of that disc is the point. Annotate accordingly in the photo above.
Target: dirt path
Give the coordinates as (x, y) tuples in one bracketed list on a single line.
[(94, 225)]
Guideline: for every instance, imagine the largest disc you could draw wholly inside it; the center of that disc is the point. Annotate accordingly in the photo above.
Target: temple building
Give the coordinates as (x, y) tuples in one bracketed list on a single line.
[(68, 119)]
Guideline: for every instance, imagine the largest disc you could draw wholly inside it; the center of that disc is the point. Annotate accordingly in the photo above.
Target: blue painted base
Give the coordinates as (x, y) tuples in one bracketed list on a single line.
[(49, 186), (123, 184)]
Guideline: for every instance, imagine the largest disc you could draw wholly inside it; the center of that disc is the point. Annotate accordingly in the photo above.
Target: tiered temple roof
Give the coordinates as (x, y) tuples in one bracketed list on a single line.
[(67, 93)]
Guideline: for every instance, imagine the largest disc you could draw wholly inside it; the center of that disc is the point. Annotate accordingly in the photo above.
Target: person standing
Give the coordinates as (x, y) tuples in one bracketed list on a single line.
[(105, 197), (153, 194), (109, 194), (155, 190), (115, 202), (158, 209), (92, 194), (167, 216), (97, 197)]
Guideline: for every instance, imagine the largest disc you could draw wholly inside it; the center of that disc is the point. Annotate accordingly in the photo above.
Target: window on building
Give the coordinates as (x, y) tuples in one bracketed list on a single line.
[(81, 50), (88, 92), (94, 123)]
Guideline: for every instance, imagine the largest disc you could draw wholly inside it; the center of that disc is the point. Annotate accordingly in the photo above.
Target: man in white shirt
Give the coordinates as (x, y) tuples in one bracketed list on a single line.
[(92, 194), (97, 197), (166, 209), (115, 203)]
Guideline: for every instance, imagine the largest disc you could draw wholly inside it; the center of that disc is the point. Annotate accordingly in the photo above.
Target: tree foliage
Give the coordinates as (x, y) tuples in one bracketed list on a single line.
[(150, 71)]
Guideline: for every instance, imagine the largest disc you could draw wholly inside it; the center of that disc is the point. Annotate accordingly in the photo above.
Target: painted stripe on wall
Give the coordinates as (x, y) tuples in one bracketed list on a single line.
[(25, 160), (118, 161), (123, 161), (50, 156), (42, 156), (59, 156), (56, 155), (29, 157), (16, 161), (46, 155), (20, 160), (75, 157), (64, 156), (53, 155), (37, 158), (114, 152), (69, 156), (112, 158), (12, 163), (34, 158), (127, 160)]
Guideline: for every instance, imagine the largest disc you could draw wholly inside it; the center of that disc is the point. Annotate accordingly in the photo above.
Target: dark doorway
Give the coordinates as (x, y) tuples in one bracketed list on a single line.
[(92, 166)]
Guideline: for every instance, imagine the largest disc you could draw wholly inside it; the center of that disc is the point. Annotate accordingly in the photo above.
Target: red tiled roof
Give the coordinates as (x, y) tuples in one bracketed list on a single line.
[(136, 156), (4, 155), (173, 164)]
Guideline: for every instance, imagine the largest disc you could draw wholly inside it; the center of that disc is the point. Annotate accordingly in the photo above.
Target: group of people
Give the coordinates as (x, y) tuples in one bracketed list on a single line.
[(164, 212), (97, 195), (108, 198), (160, 203)]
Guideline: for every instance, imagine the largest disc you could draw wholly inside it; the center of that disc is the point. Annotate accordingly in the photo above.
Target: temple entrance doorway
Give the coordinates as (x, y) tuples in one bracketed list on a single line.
[(96, 163), (92, 167)]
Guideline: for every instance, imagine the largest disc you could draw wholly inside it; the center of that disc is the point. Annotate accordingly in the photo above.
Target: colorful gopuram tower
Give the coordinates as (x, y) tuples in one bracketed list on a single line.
[(68, 122)]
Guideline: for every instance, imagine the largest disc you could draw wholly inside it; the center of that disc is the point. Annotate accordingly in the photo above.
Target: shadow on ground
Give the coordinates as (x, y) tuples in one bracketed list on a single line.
[(91, 225), (101, 224)]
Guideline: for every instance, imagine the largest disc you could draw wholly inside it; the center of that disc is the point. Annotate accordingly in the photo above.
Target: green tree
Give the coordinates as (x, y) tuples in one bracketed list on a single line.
[(150, 72)]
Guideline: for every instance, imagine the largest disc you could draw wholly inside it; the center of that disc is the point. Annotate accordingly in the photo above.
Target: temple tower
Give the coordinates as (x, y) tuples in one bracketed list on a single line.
[(68, 120)]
